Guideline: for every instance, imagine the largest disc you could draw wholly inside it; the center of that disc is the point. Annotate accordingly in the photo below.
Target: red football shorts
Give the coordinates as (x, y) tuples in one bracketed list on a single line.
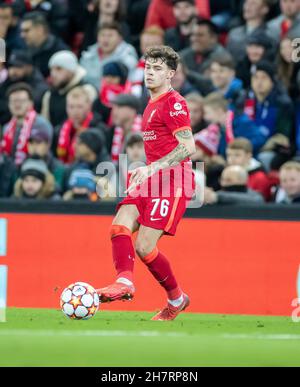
[(163, 207)]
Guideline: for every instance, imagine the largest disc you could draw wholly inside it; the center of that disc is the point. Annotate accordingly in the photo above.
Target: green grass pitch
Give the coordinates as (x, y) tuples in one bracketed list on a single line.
[(44, 337)]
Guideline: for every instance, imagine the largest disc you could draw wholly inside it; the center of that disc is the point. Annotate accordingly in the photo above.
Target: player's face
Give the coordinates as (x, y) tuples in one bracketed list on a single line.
[(157, 74)]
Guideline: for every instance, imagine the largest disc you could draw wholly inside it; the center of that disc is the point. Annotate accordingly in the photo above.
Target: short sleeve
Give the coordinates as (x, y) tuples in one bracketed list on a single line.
[(176, 115)]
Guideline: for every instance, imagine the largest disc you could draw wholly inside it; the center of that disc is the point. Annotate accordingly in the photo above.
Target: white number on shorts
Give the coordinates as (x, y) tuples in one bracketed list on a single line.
[(164, 207)]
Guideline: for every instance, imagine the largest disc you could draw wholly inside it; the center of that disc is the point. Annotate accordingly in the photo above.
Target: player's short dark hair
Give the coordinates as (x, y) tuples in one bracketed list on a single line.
[(114, 25), (20, 86), (165, 53), (224, 60), (213, 29), (37, 19)]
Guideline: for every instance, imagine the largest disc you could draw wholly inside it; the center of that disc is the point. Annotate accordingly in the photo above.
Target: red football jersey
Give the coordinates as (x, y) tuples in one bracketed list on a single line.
[(162, 119)]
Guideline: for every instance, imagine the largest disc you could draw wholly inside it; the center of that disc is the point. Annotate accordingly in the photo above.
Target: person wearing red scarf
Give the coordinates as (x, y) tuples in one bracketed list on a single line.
[(80, 116), (17, 131)]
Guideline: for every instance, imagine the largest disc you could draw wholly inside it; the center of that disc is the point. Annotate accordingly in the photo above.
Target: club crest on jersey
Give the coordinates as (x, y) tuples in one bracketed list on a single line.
[(177, 106)]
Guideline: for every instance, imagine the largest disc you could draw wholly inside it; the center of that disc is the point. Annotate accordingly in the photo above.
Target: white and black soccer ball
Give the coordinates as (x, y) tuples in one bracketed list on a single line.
[(79, 301)]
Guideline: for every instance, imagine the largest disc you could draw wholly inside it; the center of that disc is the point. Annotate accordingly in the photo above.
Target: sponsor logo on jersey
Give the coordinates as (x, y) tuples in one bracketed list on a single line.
[(176, 114), (149, 136)]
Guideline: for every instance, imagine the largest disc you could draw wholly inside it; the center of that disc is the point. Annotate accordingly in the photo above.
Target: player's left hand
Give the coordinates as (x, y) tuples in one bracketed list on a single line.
[(138, 176)]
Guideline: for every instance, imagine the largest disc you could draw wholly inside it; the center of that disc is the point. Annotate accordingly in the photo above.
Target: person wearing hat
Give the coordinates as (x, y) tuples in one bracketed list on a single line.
[(39, 145), (271, 108), (259, 46), (81, 185), (126, 120), (89, 151), (255, 13), (110, 47), (40, 43), (24, 117), (65, 75), (20, 69), (114, 82), (35, 181), (185, 13)]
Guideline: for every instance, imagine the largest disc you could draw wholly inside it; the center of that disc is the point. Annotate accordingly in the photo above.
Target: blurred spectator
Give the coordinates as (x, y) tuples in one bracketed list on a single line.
[(287, 22), (114, 82), (81, 185), (223, 77), (181, 83), (39, 146), (271, 109), (7, 173), (186, 15), (126, 120), (204, 44), (234, 189), (10, 28), (66, 74), (110, 47), (259, 46), (160, 13), (288, 70), (231, 124), (35, 181), (41, 44), (21, 69), (239, 152), (222, 12), (80, 118), (207, 143), (289, 175), (136, 16), (151, 36), (195, 105), (135, 148), (56, 12), (17, 131), (254, 14), (100, 12)]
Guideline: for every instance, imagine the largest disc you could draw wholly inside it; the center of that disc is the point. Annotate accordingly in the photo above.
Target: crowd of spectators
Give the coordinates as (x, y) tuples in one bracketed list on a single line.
[(72, 93)]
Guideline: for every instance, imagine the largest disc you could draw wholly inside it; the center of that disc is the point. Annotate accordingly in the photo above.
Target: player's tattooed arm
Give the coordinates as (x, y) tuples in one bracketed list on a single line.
[(184, 149)]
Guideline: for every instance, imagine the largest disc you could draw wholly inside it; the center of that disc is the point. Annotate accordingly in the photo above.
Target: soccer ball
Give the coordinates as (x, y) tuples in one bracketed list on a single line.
[(79, 301)]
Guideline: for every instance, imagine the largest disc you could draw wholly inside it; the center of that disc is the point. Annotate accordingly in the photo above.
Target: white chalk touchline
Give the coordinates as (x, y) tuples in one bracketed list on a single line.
[(106, 333), (90, 333), (266, 336)]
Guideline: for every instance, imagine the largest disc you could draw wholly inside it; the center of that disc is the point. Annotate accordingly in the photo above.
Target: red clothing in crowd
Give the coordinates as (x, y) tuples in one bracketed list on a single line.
[(160, 13)]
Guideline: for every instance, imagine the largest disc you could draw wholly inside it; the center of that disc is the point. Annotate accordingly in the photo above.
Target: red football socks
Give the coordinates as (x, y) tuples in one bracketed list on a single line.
[(160, 268), (123, 251)]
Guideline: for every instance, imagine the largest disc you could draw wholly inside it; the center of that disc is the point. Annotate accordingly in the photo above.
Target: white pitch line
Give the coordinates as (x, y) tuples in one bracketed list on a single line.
[(90, 333), (106, 333), (267, 336)]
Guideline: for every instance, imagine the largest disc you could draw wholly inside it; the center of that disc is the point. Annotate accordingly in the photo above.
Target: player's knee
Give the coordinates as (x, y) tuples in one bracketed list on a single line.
[(119, 229), (142, 248), (145, 251)]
